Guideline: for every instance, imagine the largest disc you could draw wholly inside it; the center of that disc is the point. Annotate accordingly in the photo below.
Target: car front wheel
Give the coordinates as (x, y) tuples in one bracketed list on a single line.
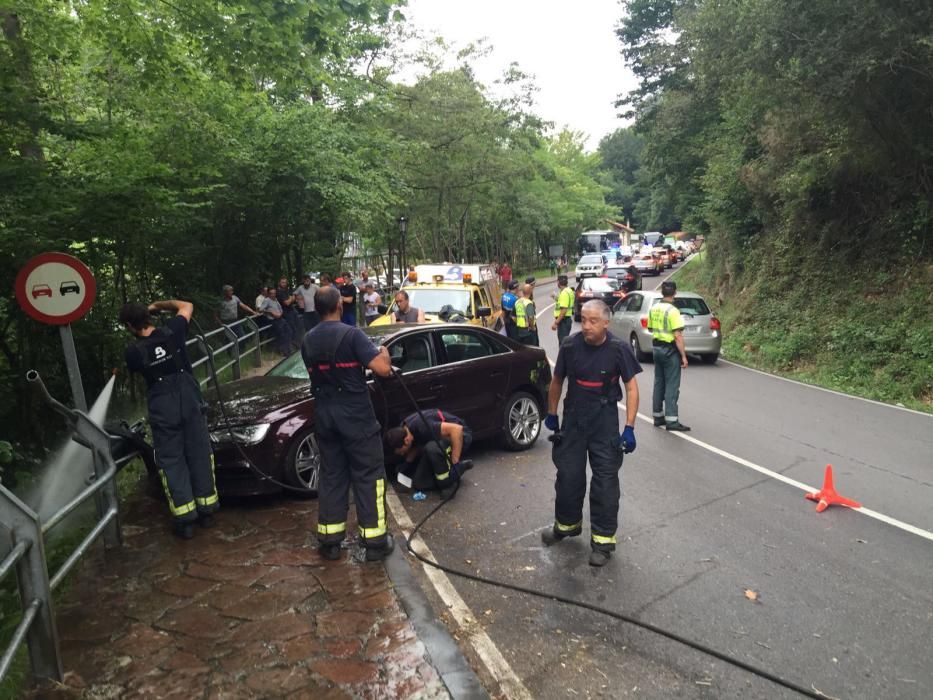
[(303, 463), (521, 421)]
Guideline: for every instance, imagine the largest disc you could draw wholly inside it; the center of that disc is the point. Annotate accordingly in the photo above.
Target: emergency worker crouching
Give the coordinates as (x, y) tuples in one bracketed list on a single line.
[(593, 361), (348, 433), (180, 438), (432, 443)]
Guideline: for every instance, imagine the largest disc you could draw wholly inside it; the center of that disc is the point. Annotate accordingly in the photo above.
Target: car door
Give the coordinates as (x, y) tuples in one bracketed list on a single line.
[(414, 354), (474, 373), (622, 318)]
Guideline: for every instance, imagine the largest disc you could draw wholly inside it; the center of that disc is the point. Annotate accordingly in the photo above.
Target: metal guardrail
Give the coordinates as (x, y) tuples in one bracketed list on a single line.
[(243, 341), (27, 553)]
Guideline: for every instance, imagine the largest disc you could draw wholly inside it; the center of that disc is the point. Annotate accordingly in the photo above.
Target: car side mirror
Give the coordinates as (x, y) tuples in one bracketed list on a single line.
[(483, 312)]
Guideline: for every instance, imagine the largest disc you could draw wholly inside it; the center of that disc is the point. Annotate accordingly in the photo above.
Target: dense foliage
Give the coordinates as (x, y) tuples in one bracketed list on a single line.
[(176, 147), (796, 136)]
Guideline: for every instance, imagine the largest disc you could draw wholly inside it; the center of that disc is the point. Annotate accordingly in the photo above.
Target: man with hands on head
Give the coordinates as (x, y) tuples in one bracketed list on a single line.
[(592, 361)]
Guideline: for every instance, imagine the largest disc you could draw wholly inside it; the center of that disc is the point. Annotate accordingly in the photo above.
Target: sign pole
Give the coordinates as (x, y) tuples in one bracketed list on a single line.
[(74, 371)]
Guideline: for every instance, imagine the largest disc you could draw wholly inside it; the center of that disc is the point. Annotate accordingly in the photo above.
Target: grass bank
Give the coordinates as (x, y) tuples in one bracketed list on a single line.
[(860, 330)]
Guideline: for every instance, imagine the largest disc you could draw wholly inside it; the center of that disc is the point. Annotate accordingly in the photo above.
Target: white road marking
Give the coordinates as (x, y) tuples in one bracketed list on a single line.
[(541, 312), (906, 527), (485, 648), (828, 391)]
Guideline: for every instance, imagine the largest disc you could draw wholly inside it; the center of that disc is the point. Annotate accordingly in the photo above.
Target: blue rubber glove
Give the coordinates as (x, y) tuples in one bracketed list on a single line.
[(627, 439), (551, 422)]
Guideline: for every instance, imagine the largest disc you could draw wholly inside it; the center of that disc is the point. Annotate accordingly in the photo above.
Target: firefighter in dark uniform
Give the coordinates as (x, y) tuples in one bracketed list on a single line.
[(348, 434), (593, 361), (180, 438), (433, 441)]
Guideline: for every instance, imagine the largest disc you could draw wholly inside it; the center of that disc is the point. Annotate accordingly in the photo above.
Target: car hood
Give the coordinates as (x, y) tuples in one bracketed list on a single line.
[(251, 399)]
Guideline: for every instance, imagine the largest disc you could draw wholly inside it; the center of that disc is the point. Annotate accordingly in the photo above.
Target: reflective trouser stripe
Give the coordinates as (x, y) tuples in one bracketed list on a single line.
[(567, 528), (177, 511), (209, 501), (380, 529), (602, 539), (446, 475), (670, 419), (213, 498), (331, 529), (657, 414)]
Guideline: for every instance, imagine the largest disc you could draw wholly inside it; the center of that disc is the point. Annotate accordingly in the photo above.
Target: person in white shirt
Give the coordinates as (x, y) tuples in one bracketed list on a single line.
[(371, 303), (305, 292)]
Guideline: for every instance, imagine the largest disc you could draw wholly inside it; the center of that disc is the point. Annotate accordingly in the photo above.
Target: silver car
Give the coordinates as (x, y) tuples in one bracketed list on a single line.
[(702, 330), (591, 265)]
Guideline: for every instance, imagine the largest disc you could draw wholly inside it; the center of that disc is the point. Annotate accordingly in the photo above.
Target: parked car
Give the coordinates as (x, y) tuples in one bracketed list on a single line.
[(628, 276), (495, 384), (603, 288), (702, 330), (591, 265)]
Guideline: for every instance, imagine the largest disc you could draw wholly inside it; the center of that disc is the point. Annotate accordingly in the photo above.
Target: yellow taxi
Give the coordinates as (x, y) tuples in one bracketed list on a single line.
[(449, 291)]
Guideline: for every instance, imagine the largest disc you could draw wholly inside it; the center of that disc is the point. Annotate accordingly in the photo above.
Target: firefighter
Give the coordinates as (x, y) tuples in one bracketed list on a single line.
[(180, 438), (670, 358), (526, 327), (348, 433), (563, 309), (592, 361), (434, 442)]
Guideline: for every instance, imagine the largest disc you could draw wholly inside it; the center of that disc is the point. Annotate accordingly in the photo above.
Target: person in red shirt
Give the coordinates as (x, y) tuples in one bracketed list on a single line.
[(505, 274)]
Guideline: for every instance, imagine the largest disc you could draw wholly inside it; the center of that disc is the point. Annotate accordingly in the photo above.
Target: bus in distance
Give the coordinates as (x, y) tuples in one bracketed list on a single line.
[(598, 242)]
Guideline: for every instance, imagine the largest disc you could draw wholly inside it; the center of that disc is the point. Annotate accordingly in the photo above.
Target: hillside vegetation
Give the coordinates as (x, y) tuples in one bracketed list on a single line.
[(795, 136)]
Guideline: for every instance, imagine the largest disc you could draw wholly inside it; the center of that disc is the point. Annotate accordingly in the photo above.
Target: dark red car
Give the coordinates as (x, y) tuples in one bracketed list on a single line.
[(498, 386)]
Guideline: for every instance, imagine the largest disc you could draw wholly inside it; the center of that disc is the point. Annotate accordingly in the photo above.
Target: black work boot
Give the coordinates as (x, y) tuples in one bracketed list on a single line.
[(659, 422), (599, 557), (381, 552), (678, 426), (550, 536), (183, 530), (205, 520), (331, 552)]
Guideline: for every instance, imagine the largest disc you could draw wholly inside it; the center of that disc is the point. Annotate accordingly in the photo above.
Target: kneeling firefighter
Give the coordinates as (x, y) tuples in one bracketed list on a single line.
[(347, 431), (180, 438), (593, 361), (433, 441)]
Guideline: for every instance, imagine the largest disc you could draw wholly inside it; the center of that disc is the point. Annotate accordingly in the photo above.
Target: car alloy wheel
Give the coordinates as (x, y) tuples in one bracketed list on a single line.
[(522, 421), (303, 467)]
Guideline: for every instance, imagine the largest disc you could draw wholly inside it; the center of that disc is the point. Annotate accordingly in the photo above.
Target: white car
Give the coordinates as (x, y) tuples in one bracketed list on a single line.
[(592, 265)]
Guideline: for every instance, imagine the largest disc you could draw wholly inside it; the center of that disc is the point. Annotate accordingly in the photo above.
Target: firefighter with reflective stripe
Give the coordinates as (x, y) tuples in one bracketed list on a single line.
[(526, 326), (433, 442), (670, 358), (593, 361), (563, 309), (348, 434), (180, 437)]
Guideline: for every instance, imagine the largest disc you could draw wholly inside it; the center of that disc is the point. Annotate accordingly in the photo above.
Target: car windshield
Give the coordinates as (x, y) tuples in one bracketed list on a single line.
[(600, 284), (591, 260), (694, 306), (294, 367), (433, 300)]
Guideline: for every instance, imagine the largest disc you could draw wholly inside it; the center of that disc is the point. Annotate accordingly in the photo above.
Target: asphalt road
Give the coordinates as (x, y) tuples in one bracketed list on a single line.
[(844, 601)]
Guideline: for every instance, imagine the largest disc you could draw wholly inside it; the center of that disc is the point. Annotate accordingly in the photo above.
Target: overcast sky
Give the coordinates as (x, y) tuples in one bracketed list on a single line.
[(569, 46)]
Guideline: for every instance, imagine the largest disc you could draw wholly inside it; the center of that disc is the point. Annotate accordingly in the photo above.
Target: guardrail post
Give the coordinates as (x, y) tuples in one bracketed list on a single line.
[(231, 335), (32, 576), (107, 497), (257, 357)]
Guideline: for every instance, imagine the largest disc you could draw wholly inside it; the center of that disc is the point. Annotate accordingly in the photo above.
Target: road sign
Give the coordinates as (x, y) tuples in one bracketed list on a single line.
[(55, 288)]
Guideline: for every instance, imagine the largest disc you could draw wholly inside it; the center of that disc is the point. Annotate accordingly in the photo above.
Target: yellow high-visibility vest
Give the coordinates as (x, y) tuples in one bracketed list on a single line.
[(663, 319), (564, 301), (521, 319)]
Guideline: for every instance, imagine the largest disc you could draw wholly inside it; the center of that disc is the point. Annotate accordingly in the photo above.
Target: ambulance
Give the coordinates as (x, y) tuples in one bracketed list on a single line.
[(470, 292)]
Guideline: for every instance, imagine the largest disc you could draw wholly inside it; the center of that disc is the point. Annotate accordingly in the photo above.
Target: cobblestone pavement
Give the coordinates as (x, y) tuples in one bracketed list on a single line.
[(247, 609)]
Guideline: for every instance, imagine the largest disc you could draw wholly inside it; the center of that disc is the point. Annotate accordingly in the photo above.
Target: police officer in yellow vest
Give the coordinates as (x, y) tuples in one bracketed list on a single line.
[(563, 309), (667, 330), (526, 326)]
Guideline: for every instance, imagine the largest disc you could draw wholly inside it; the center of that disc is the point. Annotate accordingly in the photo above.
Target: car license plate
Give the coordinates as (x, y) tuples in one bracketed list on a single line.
[(693, 330)]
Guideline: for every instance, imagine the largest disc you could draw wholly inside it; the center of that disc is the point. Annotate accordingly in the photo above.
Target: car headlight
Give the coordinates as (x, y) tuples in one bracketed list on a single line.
[(244, 434)]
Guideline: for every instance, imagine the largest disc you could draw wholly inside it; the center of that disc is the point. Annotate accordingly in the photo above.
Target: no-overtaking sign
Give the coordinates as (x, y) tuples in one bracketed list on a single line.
[(55, 288)]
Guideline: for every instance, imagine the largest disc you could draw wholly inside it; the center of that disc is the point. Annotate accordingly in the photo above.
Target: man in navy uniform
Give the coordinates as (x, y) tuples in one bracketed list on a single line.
[(348, 434), (180, 437), (593, 361), (433, 441)]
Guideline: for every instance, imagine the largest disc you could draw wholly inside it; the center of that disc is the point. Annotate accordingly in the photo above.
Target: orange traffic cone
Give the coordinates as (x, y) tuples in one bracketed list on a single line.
[(827, 496)]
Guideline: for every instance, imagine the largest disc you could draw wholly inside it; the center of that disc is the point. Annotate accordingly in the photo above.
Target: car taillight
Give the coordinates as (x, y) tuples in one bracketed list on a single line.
[(714, 324), (644, 321)]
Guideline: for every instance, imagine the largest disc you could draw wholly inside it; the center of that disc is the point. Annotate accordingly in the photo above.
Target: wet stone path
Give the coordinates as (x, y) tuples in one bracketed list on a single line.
[(246, 609)]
